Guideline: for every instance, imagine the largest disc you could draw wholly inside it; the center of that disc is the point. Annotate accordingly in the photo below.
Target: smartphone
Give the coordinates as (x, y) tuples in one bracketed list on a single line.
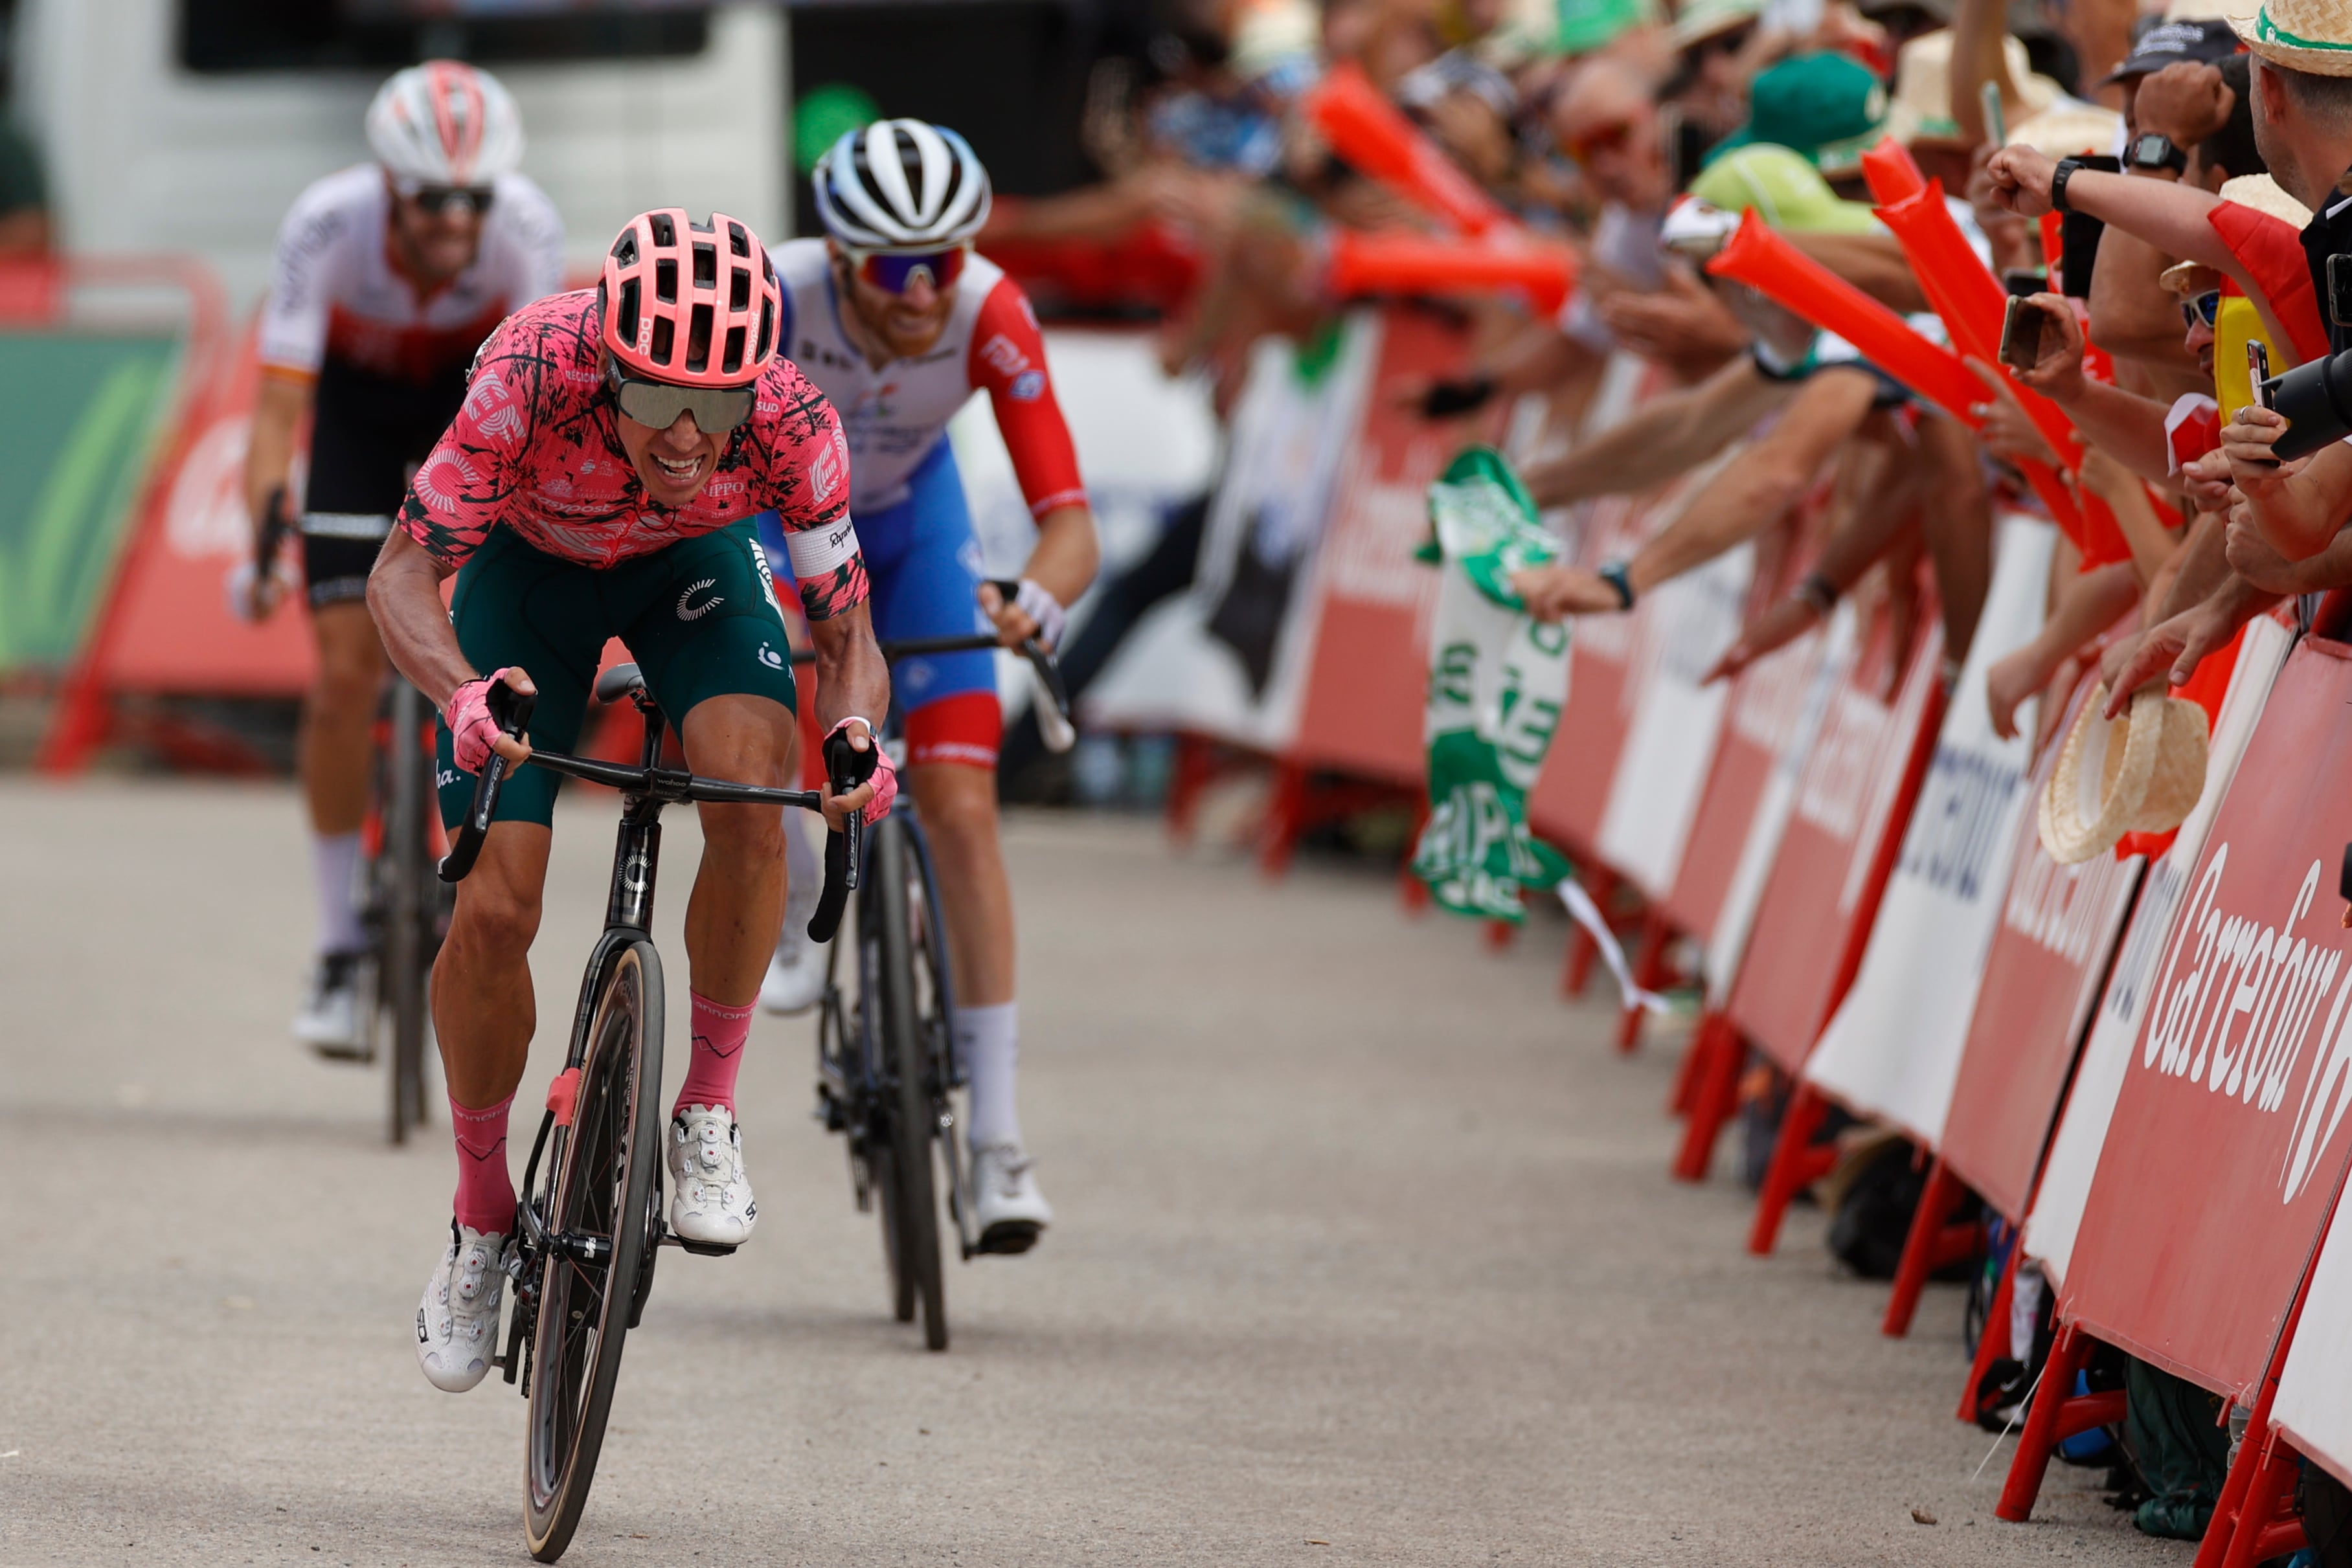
[(2258, 366), (2021, 334), (2019, 281), (1996, 126), (2339, 291)]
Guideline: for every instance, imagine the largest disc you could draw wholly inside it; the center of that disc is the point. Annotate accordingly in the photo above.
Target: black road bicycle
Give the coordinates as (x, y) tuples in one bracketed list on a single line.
[(404, 908), (885, 1059), (591, 1217)]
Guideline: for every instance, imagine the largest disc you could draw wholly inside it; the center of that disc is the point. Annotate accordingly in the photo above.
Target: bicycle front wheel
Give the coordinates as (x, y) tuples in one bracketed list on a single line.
[(408, 945), (598, 1190), (911, 1207)]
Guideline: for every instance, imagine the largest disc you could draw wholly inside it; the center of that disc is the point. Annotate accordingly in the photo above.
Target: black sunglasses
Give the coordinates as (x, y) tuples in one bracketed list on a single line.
[(434, 200), (716, 410)]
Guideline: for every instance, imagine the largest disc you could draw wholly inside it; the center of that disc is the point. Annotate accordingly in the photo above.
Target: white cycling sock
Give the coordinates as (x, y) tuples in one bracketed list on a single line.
[(989, 1042), (335, 866)]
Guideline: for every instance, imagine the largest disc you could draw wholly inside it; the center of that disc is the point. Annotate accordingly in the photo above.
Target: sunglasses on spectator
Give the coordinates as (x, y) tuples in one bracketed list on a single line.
[(434, 200), (716, 410), (2205, 307), (895, 271), (1602, 139)]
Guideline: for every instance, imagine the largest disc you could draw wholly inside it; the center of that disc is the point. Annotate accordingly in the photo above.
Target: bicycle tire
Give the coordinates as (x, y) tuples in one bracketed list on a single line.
[(908, 1098), (408, 939), (935, 1009), (599, 1177)]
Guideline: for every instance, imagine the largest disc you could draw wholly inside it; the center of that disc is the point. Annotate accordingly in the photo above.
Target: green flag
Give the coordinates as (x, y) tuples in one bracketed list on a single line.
[(1497, 680)]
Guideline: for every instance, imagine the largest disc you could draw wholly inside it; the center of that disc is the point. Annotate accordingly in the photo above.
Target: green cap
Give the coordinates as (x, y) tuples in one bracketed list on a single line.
[(1829, 107), (1588, 25), (1785, 189)]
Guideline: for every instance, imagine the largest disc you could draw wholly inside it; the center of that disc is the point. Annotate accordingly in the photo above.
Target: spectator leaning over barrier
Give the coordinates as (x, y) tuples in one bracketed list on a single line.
[(1823, 394)]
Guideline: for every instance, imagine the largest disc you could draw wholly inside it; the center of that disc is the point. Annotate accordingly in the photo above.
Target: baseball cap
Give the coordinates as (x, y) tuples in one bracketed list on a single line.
[(1785, 189), (2206, 40), (1828, 106)]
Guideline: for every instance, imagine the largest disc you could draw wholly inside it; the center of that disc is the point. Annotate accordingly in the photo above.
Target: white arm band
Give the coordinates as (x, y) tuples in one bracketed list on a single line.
[(815, 551)]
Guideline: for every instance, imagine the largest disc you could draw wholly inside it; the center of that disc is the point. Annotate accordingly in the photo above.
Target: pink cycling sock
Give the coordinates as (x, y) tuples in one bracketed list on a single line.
[(485, 1195), (719, 1036)]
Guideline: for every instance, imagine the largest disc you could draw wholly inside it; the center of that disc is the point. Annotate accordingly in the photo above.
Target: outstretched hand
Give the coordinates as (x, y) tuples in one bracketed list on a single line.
[(1781, 624), (1557, 593)]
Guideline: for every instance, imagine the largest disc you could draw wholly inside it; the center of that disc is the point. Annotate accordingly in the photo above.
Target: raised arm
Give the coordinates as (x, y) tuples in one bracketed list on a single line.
[(1661, 439)]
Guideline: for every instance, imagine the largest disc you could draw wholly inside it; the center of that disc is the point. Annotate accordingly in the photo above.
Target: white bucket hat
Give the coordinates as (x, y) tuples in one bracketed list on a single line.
[(2138, 774)]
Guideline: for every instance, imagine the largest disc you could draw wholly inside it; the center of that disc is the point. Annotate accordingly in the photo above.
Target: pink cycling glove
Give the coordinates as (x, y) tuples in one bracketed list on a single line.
[(884, 779), (472, 728)]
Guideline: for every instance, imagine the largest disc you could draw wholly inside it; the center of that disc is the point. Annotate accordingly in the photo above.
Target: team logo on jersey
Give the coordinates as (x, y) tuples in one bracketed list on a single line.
[(1028, 386), (771, 658), (1004, 357), (825, 470), (697, 612)]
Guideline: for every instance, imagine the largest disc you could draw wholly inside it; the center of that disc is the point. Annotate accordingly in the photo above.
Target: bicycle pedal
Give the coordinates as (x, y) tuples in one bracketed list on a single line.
[(699, 1248)]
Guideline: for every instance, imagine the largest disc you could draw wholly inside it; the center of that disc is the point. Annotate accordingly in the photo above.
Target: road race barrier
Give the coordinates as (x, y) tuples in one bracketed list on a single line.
[(1851, 800), (2044, 971), (2242, 1013), (1892, 1049)]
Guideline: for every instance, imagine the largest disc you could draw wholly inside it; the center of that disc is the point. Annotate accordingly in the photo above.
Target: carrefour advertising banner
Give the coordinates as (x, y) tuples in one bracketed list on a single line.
[(2227, 1138)]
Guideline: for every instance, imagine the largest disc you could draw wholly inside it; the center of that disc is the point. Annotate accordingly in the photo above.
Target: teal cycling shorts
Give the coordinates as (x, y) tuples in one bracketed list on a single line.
[(699, 617)]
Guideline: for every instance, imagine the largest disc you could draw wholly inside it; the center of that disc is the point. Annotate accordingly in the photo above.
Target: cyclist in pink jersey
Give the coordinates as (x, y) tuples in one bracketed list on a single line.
[(387, 276), (599, 481)]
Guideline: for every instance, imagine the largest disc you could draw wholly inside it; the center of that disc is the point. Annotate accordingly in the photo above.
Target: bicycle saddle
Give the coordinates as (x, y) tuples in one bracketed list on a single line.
[(620, 681)]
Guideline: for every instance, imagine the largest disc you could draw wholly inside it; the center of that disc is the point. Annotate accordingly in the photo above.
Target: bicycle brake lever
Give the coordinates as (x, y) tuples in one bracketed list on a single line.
[(845, 866)]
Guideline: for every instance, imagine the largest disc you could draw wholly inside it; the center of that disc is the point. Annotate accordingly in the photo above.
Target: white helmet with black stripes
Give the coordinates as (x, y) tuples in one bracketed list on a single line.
[(900, 184)]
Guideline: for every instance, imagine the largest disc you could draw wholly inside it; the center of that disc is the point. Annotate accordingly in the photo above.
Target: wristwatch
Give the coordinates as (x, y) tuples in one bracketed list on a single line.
[(2058, 178), (1616, 576), (2154, 152)]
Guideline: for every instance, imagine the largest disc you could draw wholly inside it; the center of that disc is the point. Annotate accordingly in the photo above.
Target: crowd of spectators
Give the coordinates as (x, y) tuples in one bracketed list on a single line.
[(2189, 151)]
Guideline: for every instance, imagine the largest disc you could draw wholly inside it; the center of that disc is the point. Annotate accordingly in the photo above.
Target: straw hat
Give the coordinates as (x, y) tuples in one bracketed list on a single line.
[(2139, 774), (2070, 129), (1922, 108), (2314, 35), (2261, 193), (2187, 279)]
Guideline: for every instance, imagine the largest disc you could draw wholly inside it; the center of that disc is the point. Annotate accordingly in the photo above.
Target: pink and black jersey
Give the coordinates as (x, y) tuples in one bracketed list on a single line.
[(895, 415), (537, 448)]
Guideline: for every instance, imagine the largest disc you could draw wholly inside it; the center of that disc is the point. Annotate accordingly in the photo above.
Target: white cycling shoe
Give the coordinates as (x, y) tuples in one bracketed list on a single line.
[(457, 1320), (1006, 1204), (796, 978), (710, 1201), (329, 1020)]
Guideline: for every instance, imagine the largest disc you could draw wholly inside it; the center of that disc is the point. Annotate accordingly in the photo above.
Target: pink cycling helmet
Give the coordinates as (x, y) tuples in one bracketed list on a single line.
[(693, 305)]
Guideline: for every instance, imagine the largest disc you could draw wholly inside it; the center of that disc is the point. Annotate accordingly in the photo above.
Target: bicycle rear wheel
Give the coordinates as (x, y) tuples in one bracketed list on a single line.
[(911, 1204), (410, 906), (598, 1187)]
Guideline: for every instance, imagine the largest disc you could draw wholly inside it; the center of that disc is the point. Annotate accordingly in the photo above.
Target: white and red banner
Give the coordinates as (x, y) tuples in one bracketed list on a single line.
[(2052, 1227), (1822, 880), (2315, 1393), (2043, 971), (2226, 1142), (1893, 1047)]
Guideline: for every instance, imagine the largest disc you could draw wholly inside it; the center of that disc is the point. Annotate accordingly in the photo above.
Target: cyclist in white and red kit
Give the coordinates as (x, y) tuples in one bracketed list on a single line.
[(895, 319), (388, 275)]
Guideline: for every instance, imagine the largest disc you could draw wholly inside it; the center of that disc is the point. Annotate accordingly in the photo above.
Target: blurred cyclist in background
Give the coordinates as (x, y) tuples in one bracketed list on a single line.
[(899, 323), (387, 277)]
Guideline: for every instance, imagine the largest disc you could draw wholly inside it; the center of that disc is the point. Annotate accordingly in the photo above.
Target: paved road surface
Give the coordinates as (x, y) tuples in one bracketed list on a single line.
[(1367, 1254)]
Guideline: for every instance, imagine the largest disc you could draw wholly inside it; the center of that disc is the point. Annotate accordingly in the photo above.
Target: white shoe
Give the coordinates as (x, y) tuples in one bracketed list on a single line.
[(710, 1199), (795, 979), (1006, 1204), (329, 1020), (457, 1320)]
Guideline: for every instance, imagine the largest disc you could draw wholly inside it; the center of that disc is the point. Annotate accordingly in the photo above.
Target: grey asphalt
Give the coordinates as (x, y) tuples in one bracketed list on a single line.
[(1366, 1253)]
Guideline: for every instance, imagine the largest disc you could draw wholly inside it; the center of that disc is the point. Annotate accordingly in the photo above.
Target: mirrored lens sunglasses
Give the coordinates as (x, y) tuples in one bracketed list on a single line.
[(894, 272), (434, 200), (716, 410), (2205, 307)]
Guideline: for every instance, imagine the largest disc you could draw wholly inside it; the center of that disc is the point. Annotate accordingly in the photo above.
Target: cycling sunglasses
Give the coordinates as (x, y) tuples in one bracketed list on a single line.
[(716, 410), (895, 271), (2205, 307), (434, 200)]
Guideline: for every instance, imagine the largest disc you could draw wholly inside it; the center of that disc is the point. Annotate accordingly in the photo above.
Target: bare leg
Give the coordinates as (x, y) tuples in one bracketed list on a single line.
[(333, 748), (738, 904), (483, 1008), (958, 807)]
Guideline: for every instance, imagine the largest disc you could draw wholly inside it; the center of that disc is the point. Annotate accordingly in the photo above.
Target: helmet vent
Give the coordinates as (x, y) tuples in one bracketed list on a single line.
[(767, 329), (666, 281), (664, 231), (698, 340), (665, 340), (624, 249), (733, 360), (738, 296), (738, 241), (627, 324)]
